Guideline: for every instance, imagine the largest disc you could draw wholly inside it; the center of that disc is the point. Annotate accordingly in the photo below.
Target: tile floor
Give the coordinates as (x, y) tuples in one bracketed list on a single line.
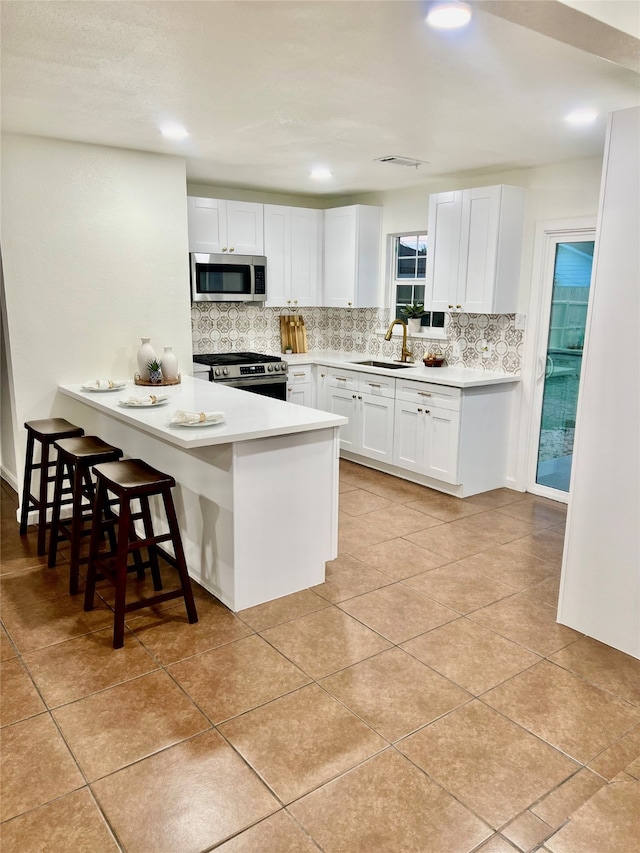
[(422, 699)]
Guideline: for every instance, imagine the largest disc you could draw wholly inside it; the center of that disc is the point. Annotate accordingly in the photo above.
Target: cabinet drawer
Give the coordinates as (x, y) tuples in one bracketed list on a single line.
[(377, 386), (345, 379), (299, 374), (442, 396)]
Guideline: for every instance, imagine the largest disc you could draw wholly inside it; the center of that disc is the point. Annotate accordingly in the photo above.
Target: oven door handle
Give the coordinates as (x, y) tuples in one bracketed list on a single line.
[(252, 380)]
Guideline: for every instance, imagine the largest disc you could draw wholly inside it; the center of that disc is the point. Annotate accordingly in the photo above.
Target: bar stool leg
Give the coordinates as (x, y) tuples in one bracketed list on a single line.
[(96, 536), (44, 491), (26, 489), (121, 573), (153, 552), (76, 530), (55, 513), (181, 563)]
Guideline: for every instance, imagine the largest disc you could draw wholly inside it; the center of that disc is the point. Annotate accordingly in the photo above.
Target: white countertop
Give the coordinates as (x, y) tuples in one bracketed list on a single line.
[(457, 377), (247, 416)]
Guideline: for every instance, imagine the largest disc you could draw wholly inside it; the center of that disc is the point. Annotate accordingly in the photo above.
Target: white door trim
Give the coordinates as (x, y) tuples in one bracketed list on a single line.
[(537, 329)]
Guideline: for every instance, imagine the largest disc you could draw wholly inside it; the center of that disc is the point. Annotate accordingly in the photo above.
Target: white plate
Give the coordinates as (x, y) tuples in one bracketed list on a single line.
[(202, 424), (159, 402), (117, 386)]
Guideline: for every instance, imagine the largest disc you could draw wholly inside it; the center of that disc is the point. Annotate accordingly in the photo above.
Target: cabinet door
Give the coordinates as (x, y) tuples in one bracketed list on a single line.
[(478, 249), (245, 226), (340, 257), (300, 394), (207, 224), (408, 440), (343, 403), (445, 214), (441, 445), (376, 427), (277, 248), (305, 255)]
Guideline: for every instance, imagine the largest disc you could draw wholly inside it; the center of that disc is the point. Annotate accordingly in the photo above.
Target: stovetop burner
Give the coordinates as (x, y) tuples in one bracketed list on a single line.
[(227, 358)]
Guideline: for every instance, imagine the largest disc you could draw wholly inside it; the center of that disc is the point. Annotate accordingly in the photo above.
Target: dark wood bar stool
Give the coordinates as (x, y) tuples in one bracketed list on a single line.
[(132, 480), (75, 458), (46, 432)]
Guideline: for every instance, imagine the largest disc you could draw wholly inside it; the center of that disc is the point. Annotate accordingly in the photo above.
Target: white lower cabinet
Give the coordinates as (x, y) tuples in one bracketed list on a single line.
[(369, 406), (427, 441), (300, 386)]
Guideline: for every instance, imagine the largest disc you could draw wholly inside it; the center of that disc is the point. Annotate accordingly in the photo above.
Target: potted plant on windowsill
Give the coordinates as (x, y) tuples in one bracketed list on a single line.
[(414, 313)]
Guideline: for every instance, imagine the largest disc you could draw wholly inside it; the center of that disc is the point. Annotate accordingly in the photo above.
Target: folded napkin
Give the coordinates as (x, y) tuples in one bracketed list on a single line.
[(101, 383), (197, 417), (151, 400)]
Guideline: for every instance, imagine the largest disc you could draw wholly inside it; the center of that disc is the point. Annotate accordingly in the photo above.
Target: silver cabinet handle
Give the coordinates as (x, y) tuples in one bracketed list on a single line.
[(374, 384), (341, 378), (424, 393), (298, 374)]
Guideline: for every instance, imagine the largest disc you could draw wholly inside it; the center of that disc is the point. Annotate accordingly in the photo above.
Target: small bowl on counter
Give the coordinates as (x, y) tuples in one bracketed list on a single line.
[(433, 360)]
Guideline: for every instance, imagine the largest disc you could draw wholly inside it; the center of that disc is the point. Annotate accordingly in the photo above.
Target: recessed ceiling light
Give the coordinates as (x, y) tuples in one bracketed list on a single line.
[(581, 117), (174, 131), (448, 16), (320, 173)]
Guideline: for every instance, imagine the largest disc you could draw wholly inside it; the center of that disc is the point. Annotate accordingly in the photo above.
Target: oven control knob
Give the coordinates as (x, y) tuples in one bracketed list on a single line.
[(283, 366), (226, 371), (270, 368), (217, 371)]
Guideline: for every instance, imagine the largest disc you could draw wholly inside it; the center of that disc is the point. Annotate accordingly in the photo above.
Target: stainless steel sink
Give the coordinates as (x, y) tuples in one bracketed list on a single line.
[(387, 365)]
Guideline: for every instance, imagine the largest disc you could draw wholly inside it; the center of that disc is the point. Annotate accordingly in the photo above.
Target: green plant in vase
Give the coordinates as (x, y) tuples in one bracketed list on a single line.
[(155, 370), (414, 310)]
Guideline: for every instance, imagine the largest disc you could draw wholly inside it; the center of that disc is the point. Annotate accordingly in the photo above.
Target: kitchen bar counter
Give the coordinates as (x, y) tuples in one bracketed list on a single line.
[(256, 497)]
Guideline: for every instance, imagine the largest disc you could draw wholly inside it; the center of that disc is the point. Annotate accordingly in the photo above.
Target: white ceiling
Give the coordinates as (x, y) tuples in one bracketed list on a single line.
[(269, 89)]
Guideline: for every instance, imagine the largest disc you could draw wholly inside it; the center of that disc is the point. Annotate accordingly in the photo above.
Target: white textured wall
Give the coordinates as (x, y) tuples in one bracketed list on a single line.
[(95, 254), (600, 586)]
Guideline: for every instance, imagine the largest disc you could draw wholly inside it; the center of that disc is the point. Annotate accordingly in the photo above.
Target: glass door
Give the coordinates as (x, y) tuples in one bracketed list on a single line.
[(569, 272)]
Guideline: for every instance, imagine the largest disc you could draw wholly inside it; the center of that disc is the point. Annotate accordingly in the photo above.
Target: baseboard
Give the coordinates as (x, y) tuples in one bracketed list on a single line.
[(10, 478)]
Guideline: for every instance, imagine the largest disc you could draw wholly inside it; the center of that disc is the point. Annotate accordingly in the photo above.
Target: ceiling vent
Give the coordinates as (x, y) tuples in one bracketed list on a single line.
[(399, 161)]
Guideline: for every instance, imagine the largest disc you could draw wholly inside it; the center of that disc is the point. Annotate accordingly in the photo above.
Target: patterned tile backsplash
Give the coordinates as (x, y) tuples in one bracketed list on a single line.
[(220, 327)]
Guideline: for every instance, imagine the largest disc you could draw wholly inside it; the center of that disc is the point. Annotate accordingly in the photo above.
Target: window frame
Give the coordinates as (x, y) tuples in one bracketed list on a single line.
[(426, 329)]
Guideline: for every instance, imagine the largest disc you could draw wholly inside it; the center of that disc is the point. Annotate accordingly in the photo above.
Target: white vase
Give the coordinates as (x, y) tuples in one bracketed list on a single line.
[(169, 364), (145, 355), (414, 324)]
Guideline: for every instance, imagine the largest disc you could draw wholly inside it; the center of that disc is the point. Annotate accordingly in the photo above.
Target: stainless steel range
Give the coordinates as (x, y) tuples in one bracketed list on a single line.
[(251, 371)]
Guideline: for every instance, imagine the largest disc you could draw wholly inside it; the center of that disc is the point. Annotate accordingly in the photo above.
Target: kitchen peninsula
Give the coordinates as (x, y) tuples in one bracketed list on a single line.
[(256, 496)]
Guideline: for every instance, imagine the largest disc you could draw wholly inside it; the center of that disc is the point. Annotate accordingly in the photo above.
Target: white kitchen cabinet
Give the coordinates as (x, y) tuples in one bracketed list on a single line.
[(218, 225), (300, 386), (475, 243), (426, 441), (368, 402), (351, 256), (292, 245)]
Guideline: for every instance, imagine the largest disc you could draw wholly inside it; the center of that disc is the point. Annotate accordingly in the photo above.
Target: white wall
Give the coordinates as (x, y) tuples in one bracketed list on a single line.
[(600, 585), (94, 247)]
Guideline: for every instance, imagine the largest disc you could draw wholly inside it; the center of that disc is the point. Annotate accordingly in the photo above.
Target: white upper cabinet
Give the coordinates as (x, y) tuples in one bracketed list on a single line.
[(292, 245), (217, 225), (352, 256), (475, 242)]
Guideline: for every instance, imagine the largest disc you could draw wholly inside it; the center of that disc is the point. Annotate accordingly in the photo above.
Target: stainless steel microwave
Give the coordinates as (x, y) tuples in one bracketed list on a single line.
[(228, 278)]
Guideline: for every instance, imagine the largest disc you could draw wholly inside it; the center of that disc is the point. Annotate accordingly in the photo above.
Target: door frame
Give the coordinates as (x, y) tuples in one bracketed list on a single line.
[(548, 233)]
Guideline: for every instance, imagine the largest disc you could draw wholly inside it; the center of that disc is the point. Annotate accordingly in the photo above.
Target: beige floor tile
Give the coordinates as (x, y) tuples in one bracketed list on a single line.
[(19, 698), (19, 552), (537, 511), (618, 756), (608, 821), (348, 576), (281, 609), (108, 730), (397, 612), (394, 693), (354, 533), (387, 804), (514, 568), (475, 743), (394, 489), (36, 766), (545, 544), (527, 621), (568, 713), (352, 472), (346, 487), (561, 803), (399, 558), (76, 668), (187, 798), (443, 506), (496, 844), (169, 637), (470, 655), (7, 649), (35, 584), (399, 520), (495, 498), (277, 834), (71, 823), (460, 587), (527, 831), (43, 623), (633, 769), (324, 642), (285, 744), (502, 528), (237, 677), (360, 501), (453, 546), (603, 666), (548, 592)]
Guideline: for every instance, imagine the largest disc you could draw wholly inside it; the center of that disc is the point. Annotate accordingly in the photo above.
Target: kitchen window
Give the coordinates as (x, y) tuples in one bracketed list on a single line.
[(409, 277)]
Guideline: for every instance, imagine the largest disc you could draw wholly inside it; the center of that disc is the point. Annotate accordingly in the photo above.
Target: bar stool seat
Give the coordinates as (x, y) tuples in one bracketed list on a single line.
[(46, 432), (132, 480), (75, 458)]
